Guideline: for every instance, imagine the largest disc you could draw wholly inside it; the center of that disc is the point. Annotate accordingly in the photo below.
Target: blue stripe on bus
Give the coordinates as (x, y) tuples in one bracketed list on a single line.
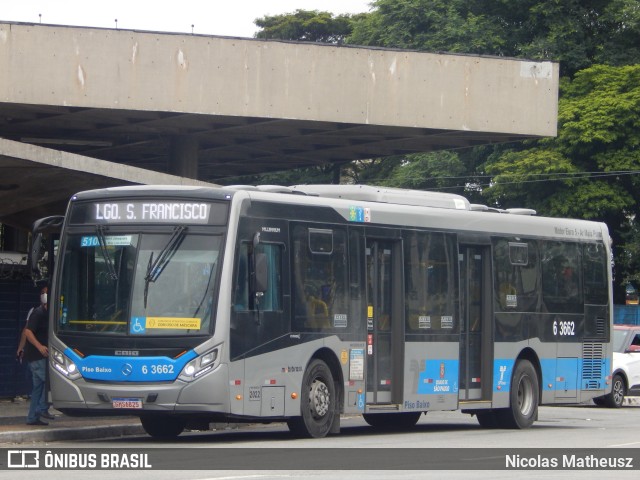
[(130, 369), (557, 374)]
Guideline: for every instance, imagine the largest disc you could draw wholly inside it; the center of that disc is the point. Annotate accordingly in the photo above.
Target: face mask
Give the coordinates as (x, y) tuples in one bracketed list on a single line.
[(43, 298)]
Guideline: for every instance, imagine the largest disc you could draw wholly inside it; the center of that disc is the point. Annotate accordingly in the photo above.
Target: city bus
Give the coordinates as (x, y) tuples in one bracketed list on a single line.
[(187, 306)]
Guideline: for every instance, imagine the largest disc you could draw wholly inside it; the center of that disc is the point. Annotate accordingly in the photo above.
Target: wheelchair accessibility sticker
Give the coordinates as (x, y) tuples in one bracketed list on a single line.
[(138, 325)]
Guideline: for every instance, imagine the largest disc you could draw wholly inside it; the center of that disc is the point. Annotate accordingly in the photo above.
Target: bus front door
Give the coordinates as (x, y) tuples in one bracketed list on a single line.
[(476, 332), (384, 325)]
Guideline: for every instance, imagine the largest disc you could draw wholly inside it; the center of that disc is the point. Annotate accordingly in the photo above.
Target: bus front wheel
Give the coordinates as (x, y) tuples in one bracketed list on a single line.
[(163, 427), (524, 398), (318, 403)]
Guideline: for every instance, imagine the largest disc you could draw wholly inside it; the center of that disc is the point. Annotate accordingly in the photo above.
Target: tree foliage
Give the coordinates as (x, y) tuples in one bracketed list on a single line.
[(305, 25), (577, 33), (589, 169), (428, 171)]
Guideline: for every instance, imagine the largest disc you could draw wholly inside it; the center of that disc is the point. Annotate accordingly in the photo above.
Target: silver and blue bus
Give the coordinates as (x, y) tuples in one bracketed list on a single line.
[(187, 306)]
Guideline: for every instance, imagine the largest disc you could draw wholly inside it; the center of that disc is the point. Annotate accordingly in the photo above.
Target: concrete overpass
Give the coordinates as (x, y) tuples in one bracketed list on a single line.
[(209, 108)]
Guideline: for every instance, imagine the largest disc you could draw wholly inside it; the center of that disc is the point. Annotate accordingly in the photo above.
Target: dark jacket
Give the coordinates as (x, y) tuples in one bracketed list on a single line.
[(38, 323)]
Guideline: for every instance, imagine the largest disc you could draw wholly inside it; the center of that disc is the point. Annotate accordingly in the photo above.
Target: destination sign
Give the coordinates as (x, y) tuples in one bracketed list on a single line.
[(174, 212)]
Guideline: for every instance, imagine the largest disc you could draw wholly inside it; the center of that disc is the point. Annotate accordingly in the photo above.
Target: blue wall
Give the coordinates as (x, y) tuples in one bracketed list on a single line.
[(16, 299), (626, 314)]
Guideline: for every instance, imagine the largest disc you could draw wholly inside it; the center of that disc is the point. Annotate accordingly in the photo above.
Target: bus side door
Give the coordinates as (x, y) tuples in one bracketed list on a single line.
[(385, 325), (476, 352)]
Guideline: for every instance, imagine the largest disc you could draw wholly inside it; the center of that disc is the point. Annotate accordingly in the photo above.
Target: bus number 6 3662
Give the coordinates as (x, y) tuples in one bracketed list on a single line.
[(564, 328), (157, 369)]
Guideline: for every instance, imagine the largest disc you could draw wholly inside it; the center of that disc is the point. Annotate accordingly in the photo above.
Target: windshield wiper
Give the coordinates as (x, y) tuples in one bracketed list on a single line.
[(102, 240), (155, 269)]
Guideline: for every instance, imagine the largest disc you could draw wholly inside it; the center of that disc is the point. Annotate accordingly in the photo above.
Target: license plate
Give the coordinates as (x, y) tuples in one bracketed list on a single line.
[(127, 403)]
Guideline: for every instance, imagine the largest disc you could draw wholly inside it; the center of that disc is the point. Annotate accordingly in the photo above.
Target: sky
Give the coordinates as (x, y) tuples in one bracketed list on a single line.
[(208, 17)]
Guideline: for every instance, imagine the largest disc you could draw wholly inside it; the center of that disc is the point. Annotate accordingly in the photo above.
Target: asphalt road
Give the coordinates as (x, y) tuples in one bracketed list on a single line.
[(269, 451)]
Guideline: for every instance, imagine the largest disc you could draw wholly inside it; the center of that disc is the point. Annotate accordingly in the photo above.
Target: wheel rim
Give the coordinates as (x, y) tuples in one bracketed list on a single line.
[(525, 396), (319, 399), (618, 391)]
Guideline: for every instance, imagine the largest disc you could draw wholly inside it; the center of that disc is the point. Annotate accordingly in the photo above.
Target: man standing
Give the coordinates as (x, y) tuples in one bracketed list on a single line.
[(36, 353)]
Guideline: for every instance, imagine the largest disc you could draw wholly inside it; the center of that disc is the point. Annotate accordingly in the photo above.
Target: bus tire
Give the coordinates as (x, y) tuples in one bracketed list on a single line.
[(318, 403), (392, 421), (163, 427), (615, 399), (524, 398)]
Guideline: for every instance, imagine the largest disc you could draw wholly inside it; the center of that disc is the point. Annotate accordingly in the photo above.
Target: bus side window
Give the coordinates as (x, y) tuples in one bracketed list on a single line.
[(320, 271), (241, 295), (430, 289), (271, 298), (516, 276), (562, 277), (594, 259)]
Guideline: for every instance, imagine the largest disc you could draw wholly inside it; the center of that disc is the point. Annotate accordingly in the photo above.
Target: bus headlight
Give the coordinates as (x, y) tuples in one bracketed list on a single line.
[(64, 365), (200, 365)]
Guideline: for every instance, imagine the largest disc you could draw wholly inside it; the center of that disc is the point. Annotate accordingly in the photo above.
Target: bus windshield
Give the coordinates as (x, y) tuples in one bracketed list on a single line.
[(114, 284)]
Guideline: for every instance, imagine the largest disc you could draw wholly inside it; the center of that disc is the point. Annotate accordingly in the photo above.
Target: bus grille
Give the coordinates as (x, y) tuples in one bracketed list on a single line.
[(601, 327), (592, 364)]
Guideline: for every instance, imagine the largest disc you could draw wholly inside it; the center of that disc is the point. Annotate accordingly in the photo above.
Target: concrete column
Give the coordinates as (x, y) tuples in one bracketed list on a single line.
[(183, 156)]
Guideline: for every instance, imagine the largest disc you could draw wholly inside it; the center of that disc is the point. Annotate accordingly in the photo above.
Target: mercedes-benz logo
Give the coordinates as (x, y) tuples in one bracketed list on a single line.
[(127, 369)]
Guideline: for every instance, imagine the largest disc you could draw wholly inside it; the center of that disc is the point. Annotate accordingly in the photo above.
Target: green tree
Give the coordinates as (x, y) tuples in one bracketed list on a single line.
[(428, 171), (328, 173), (305, 25), (577, 33), (433, 25)]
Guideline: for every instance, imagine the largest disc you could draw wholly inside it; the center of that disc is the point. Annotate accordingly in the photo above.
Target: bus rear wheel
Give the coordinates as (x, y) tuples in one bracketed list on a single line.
[(163, 427), (318, 403), (392, 421), (524, 398)]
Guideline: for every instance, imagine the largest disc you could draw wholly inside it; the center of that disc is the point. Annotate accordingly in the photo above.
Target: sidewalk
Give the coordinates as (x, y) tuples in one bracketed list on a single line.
[(13, 427)]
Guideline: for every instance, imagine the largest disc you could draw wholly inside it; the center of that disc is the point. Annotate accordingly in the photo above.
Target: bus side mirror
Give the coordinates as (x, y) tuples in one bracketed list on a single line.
[(40, 258), (35, 256)]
